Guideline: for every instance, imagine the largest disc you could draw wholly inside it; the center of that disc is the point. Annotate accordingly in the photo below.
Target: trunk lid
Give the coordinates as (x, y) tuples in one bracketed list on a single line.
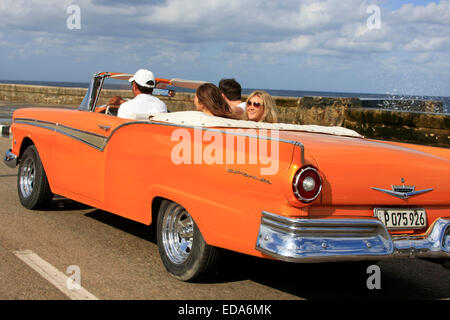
[(352, 167)]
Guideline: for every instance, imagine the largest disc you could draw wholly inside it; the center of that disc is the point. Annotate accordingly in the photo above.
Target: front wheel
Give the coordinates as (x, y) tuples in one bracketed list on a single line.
[(183, 251), (32, 184)]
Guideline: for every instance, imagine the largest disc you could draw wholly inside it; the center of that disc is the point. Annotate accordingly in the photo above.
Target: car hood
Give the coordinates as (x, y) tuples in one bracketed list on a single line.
[(352, 167)]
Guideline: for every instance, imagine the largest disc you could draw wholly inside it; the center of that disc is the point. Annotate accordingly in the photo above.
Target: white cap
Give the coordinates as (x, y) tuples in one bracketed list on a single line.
[(143, 78)]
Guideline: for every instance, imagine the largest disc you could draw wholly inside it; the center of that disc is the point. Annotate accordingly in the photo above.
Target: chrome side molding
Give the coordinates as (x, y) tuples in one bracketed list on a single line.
[(322, 240)]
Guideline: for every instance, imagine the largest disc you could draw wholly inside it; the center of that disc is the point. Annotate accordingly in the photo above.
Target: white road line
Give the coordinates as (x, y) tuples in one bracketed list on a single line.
[(53, 275)]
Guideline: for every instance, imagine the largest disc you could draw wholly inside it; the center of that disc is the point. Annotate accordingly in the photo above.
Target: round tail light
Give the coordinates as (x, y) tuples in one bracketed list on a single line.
[(307, 184)]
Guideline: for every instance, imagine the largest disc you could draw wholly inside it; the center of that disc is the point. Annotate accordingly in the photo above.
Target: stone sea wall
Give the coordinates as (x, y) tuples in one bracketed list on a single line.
[(429, 128), (412, 127)]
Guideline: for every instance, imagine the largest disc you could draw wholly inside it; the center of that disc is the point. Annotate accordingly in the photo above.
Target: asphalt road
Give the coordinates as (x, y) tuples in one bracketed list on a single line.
[(118, 259), (7, 108)]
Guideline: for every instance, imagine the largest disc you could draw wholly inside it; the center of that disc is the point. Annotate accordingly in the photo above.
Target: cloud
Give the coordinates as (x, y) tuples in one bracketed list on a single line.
[(432, 13), (232, 34), (29, 15), (328, 26), (428, 44)]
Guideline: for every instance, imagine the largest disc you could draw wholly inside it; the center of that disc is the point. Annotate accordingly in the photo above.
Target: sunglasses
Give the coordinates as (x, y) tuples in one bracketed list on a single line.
[(255, 104)]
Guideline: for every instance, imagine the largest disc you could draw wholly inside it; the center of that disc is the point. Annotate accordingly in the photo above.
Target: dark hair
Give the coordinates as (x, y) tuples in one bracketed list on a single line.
[(231, 89), (209, 95), (142, 89)]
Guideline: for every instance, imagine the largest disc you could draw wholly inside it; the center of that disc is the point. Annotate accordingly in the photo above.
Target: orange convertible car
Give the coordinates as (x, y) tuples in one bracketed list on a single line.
[(287, 192)]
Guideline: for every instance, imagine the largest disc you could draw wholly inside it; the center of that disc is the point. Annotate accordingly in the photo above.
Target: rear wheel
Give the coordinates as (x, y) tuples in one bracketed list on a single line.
[(183, 251), (32, 184)]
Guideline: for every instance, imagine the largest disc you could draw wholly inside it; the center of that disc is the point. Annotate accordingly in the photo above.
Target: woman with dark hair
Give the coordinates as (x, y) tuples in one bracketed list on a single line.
[(209, 100)]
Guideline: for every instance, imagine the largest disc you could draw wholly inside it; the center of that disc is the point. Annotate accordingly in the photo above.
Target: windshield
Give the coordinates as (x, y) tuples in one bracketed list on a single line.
[(91, 96)]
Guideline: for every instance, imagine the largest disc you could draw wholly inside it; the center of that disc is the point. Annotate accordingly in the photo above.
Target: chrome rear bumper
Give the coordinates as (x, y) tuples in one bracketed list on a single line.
[(10, 159), (320, 240)]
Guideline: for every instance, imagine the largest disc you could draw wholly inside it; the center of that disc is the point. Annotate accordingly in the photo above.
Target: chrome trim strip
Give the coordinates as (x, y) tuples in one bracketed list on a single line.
[(59, 125), (10, 159), (320, 240), (91, 139), (48, 125), (295, 143)]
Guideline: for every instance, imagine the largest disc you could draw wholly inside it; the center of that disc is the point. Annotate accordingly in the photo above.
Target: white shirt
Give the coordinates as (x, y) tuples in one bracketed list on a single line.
[(242, 105), (142, 103)]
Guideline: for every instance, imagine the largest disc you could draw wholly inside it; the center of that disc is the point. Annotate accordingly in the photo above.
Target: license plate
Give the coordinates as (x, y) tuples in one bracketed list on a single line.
[(402, 218)]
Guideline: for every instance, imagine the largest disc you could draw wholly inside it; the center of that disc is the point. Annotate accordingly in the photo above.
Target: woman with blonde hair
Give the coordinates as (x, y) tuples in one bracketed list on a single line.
[(261, 107)]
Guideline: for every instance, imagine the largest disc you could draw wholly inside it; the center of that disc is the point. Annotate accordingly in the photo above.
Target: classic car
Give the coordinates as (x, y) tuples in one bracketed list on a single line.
[(296, 193)]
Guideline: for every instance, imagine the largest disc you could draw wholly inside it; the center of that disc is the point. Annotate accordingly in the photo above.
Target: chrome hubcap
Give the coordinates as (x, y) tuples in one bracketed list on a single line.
[(27, 175), (177, 234)]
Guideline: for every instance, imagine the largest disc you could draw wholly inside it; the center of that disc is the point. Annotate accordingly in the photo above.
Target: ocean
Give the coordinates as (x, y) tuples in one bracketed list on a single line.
[(274, 92)]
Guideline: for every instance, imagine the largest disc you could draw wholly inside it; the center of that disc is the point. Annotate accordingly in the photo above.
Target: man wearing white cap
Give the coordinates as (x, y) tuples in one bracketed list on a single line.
[(142, 84)]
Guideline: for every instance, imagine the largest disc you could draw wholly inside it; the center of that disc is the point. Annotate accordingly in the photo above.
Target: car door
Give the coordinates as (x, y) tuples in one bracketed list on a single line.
[(77, 153)]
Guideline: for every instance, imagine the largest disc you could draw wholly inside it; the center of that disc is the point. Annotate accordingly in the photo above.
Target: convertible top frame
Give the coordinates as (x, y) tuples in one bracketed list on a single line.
[(95, 87)]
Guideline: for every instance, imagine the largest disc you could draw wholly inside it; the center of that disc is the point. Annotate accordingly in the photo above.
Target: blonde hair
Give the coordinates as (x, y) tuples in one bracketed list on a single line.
[(270, 114)]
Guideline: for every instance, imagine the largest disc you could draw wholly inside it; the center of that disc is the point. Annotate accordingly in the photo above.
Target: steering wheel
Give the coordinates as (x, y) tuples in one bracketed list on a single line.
[(108, 109)]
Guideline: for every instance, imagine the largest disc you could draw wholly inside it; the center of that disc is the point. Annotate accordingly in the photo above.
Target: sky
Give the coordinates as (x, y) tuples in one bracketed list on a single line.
[(367, 46)]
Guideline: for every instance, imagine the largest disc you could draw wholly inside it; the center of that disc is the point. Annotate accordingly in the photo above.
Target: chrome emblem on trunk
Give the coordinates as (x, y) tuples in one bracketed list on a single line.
[(403, 192)]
